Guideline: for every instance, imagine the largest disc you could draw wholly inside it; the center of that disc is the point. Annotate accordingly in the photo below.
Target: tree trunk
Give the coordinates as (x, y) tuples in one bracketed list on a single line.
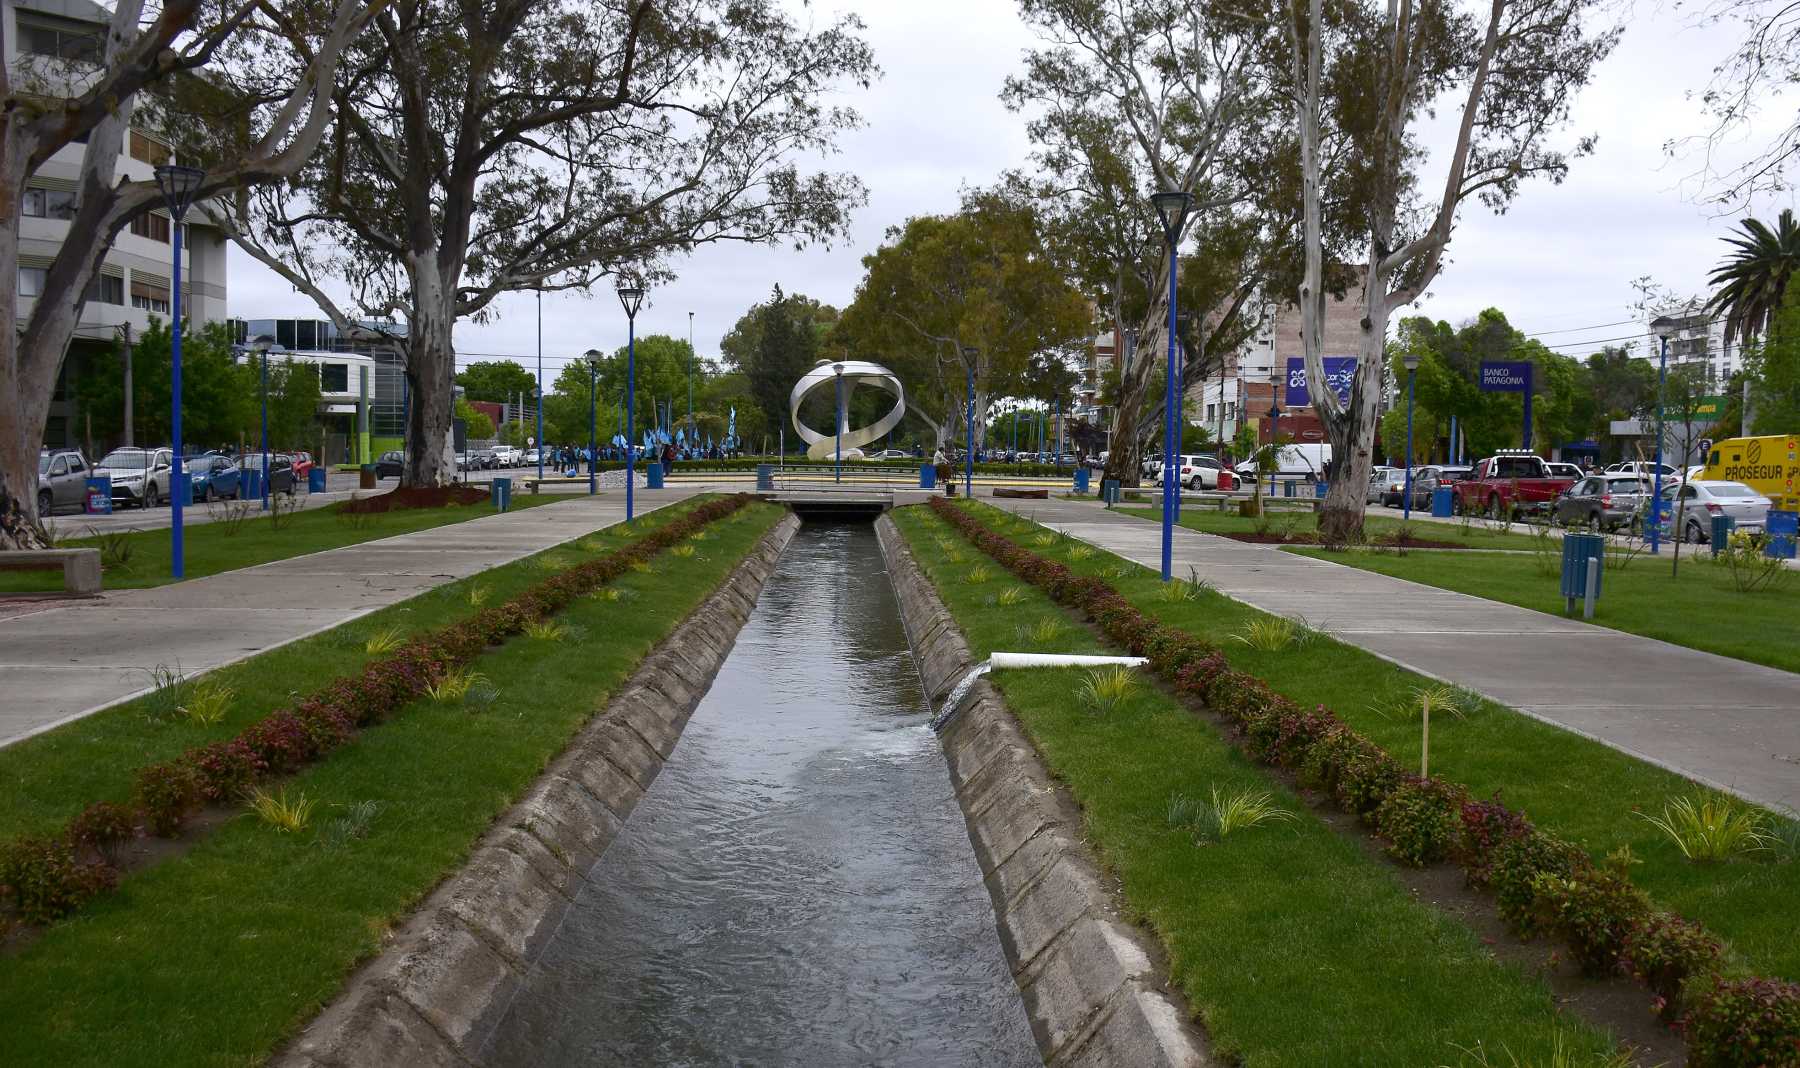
[(1138, 386), (1352, 435), (431, 380)]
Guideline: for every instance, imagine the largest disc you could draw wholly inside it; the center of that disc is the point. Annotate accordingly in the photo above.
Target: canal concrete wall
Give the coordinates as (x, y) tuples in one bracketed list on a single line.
[(446, 975), (1088, 979)]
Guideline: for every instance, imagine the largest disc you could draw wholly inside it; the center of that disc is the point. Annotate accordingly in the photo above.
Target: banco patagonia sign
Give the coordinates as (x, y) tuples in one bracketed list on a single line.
[(1506, 376), (1339, 371)]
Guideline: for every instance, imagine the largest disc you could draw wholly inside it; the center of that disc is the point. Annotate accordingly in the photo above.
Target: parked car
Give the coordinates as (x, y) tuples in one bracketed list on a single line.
[(1605, 501), (1429, 479), (892, 454), (1563, 470), (281, 470), (139, 476), (1512, 482), (1645, 469), (62, 480), (212, 477), (1698, 502), (1395, 491), (532, 455), (303, 463), (389, 464), (1381, 477), (1195, 471), (1302, 460)]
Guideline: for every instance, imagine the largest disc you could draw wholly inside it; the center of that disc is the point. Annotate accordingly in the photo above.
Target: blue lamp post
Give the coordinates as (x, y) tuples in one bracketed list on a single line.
[(1664, 328), (261, 347), (631, 297), (968, 355), (178, 185), (1171, 210), (593, 361), (1411, 360), (837, 467), (540, 386)]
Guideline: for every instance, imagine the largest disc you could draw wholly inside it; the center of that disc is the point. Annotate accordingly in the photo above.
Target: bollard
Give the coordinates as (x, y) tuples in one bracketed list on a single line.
[(1592, 593)]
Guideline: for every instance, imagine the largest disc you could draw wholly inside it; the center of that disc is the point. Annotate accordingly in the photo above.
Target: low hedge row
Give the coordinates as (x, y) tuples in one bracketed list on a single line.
[(44, 878), (753, 462), (1541, 883)]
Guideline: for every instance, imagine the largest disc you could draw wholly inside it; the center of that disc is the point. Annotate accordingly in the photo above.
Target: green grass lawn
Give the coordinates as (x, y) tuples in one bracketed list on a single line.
[(1697, 608), (215, 957), (1294, 944), (1301, 521), (212, 547), (1583, 790)]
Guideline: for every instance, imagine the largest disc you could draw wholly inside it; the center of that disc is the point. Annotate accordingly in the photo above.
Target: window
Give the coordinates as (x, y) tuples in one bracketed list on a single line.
[(59, 467), (72, 40), (76, 467), (154, 227), (152, 296), (106, 289), (31, 281), (149, 149), (334, 378), (50, 203)]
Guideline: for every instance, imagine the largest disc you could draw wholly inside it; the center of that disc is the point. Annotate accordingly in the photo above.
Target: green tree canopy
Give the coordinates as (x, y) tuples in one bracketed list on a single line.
[(500, 381), (772, 345), (476, 424), (1775, 369)]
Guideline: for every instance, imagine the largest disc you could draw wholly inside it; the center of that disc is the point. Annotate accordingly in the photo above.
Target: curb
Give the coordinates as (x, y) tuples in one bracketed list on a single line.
[(435, 993), (1087, 978)]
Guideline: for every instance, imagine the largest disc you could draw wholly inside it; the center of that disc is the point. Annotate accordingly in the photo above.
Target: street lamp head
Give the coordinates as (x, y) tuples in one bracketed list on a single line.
[(1664, 326), (1172, 209), (262, 344), (178, 185), (837, 368), (1411, 360), (631, 296), (593, 358)]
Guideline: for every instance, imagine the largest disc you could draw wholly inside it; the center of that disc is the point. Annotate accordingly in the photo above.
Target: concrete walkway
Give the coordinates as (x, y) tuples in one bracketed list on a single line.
[(1723, 722), (61, 660)]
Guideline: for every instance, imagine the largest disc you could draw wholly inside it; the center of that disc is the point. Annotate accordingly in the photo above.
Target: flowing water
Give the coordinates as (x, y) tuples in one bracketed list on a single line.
[(797, 887)]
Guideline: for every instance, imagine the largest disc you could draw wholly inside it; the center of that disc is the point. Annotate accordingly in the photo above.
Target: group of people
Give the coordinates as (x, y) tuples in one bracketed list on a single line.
[(567, 456)]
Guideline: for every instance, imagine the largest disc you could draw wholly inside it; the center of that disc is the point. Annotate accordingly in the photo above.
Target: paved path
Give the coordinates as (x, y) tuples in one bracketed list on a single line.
[(1723, 722), (63, 660)]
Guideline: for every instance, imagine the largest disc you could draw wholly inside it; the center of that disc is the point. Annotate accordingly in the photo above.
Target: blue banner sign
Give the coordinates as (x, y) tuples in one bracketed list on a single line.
[(1505, 377), (1339, 371)]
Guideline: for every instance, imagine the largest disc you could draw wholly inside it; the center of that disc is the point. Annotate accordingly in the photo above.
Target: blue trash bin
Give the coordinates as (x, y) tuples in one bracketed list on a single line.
[(1784, 531), (1722, 526), (1109, 490), (97, 498), (250, 484), (1287, 488), (500, 493), (1578, 549), (927, 476), (1320, 488), (765, 476), (1082, 475), (653, 476), (1443, 504), (315, 479)]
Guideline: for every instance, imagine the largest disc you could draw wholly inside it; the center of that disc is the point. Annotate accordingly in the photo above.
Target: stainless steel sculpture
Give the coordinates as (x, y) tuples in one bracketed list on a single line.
[(855, 373)]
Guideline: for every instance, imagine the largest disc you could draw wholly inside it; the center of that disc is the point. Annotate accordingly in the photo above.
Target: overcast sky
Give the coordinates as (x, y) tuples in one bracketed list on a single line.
[(1563, 257)]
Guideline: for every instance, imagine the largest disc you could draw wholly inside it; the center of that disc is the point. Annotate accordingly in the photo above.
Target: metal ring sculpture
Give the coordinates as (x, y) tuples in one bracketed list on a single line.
[(855, 372)]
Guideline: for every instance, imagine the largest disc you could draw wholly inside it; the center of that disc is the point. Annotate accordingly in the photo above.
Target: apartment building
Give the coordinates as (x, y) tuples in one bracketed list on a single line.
[(48, 43), (1699, 342)]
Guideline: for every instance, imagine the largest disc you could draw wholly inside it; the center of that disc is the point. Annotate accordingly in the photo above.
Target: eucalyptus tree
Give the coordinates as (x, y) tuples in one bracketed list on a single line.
[(179, 67), (505, 145), (1131, 98), (1362, 76), (970, 297)]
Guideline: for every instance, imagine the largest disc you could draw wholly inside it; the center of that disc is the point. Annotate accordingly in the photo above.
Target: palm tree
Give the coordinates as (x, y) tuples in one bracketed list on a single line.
[(1751, 281)]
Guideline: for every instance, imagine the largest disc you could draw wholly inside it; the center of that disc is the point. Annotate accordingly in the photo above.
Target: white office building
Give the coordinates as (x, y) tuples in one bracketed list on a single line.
[(51, 39)]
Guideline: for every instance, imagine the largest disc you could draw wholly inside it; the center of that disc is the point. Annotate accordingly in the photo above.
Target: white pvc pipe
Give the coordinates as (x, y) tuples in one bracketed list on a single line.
[(1002, 661)]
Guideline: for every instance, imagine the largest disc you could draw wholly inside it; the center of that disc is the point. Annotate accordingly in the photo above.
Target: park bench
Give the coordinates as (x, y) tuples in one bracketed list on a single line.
[(80, 567), (532, 484)]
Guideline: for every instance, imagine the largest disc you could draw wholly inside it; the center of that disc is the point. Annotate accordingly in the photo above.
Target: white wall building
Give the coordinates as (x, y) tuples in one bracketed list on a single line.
[(1699, 341), (44, 37)]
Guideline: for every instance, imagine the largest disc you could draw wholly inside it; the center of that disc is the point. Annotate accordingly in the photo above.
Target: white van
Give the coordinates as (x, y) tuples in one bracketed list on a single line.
[(1300, 460)]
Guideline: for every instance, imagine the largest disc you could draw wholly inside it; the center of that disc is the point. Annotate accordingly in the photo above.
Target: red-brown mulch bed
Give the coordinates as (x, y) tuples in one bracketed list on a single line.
[(405, 497), (1313, 539)]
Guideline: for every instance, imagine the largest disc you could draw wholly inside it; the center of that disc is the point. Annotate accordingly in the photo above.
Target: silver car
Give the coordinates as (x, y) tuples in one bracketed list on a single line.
[(1380, 478), (1700, 501), (62, 480), (139, 476)]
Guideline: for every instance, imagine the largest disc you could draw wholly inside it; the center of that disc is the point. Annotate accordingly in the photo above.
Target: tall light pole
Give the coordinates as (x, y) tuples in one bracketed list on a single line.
[(261, 347), (631, 297), (690, 428), (837, 369), (178, 185), (593, 361), (1171, 210), (540, 386), (1664, 328), (968, 355), (1411, 359)]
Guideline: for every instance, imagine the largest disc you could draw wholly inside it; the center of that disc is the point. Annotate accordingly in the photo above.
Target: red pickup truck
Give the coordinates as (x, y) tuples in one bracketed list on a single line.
[(1512, 483)]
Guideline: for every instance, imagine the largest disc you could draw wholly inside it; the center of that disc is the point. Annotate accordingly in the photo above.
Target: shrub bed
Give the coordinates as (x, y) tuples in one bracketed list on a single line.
[(43, 879), (1542, 884)]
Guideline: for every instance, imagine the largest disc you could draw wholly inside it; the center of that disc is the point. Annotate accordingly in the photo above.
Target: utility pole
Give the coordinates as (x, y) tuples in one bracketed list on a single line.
[(125, 333)]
